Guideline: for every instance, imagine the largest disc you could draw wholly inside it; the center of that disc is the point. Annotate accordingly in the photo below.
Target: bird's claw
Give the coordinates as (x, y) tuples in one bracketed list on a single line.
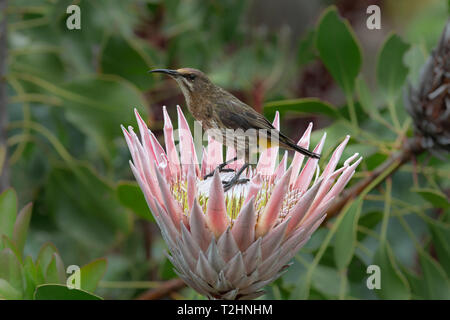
[(220, 170), (227, 185)]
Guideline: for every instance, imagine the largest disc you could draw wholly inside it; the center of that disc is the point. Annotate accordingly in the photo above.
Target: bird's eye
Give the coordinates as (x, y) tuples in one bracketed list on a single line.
[(190, 77)]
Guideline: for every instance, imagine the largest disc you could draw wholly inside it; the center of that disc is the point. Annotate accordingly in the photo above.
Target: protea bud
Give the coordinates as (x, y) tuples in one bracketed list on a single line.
[(429, 103), (229, 245)]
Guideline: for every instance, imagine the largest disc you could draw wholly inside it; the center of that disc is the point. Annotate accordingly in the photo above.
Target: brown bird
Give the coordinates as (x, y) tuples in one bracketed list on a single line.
[(229, 120)]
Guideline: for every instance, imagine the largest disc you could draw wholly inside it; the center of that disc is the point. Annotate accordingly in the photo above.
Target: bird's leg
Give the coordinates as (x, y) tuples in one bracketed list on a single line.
[(235, 180), (221, 168)]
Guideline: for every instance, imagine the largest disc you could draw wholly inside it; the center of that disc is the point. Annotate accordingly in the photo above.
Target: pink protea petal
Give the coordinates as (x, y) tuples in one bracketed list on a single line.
[(307, 173), (141, 159), (253, 255), (204, 268), (128, 139), (161, 157), (273, 240), (187, 148), (292, 240), (145, 189), (314, 213), (215, 153), (335, 158), (214, 258), (326, 185), (138, 153), (231, 153), (255, 186), (199, 228), (235, 269), (302, 206), (351, 159), (173, 208), (148, 181), (204, 168), (189, 242), (268, 157), (298, 157), (216, 213), (267, 265), (316, 218), (227, 246), (271, 211), (141, 162), (281, 169), (342, 181), (244, 227), (167, 224), (135, 156), (145, 136), (171, 150), (191, 186), (186, 256)]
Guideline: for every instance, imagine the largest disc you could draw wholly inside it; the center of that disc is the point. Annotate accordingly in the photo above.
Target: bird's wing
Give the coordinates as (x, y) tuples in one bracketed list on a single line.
[(238, 115), (235, 114)]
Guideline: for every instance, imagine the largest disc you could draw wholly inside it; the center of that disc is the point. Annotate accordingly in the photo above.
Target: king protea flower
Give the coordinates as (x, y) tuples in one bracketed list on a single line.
[(230, 245)]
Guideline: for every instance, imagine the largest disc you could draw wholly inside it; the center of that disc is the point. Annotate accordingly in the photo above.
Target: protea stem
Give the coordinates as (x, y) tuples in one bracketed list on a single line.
[(165, 289)]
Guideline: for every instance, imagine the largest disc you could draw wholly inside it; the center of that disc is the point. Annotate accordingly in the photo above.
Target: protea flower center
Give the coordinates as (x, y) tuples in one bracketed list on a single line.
[(229, 245)]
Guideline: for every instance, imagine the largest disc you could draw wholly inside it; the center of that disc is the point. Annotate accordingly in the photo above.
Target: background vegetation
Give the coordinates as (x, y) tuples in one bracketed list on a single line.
[(69, 91)]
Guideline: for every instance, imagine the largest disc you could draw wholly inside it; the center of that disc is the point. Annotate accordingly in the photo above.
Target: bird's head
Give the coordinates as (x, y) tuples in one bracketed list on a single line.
[(191, 81)]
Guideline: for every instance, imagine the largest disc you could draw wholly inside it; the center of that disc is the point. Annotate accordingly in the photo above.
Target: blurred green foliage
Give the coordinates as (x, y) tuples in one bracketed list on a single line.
[(71, 89), (23, 278)]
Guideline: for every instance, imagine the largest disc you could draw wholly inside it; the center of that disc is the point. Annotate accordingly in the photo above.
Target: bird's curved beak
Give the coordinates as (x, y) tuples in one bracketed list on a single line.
[(172, 73)]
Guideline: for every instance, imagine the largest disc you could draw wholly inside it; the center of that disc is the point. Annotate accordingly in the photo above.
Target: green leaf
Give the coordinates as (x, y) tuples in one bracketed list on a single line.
[(435, 280), (414, 59), (306, 50), (97, 105), (32, 279), (8, 212), (21, 227), (327, 281), (345, 238), (86, 207), (55, 271), (7, 243), (117, 50), (416, 283), (303, 106), (375, 160), (441, 242), (45, 256), (369, 220), (61, 292), (8, 292), (92, 273), (10, 269), (391, 71), (433, 196), (131, 196), (393, 283), (45, 65), (338, 49), (365, 97)]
